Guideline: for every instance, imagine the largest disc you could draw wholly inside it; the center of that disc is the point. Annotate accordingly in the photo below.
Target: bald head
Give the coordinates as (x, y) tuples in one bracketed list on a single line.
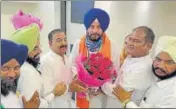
[(147, 32)]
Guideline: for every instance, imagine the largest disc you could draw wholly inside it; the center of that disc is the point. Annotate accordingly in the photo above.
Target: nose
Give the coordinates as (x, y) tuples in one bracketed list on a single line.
[(95, 30), (64, 42), (11, 73), (161, 65), (39, 50), (130, 44)]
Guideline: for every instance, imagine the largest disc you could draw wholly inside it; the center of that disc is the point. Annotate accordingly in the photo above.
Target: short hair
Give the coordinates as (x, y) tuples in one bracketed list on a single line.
[(50, 35), (150, 36), (127, 36)]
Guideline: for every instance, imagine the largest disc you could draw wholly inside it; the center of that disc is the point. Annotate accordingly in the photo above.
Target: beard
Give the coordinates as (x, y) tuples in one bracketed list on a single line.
[(173, 74), (34, 61), (94, 37), (8, 84)]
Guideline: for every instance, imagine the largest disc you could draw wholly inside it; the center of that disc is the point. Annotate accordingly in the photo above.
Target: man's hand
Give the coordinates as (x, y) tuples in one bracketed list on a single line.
[(75, 77), (121, 94), (77, 86), (60, 89), (92, 92), (34, 102)]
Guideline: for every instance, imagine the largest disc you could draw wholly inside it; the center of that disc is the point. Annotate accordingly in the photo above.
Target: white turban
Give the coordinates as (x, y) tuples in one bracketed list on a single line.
[(167, 44)]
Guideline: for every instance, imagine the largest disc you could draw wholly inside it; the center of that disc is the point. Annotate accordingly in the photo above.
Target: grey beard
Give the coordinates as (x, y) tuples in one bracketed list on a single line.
[(8, 84)]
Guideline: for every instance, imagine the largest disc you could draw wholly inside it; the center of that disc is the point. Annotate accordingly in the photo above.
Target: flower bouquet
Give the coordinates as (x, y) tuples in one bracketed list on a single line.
[(94, 71)]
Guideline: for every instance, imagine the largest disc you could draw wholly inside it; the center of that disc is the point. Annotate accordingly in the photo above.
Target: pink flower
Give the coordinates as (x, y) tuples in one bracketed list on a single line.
[(94, 70), (84, 59)]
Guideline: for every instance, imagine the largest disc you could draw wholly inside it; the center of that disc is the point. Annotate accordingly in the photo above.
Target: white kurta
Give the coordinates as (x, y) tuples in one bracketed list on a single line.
[(135, 75), (100, 100), (55, 71), (11, 101), (161, 94), (30, 81)]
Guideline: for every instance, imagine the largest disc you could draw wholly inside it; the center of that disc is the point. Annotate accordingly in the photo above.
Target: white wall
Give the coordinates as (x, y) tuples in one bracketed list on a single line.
[(159, 15), (126, 15), (74, 30), (47, 11)]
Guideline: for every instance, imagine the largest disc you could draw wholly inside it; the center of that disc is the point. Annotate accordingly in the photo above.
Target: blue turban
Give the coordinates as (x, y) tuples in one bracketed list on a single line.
[(99, 14), (10, 50)]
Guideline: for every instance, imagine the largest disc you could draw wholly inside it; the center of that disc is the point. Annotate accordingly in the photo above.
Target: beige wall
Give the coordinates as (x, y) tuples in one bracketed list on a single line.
[(126, 15), (47, 11)]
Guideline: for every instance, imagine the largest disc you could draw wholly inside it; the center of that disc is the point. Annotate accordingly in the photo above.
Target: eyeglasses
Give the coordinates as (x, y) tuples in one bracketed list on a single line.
[(8, 69), (61, 39)]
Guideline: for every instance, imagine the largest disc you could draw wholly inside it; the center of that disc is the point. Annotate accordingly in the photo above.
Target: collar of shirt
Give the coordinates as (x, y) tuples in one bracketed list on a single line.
[(56, 55), (59, 57), (138, 58), (128, 61)]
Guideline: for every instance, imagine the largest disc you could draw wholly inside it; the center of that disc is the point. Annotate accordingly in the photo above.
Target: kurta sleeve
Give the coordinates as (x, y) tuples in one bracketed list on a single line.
[(166, 102), (137, 80), (48, 86), (28, 87)]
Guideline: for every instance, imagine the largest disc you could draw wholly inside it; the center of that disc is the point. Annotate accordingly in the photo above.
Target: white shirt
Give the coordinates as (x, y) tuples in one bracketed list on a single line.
[(100, 100), (55, 71), (11, 101), (135, 75), (161, 94), (30, 81)]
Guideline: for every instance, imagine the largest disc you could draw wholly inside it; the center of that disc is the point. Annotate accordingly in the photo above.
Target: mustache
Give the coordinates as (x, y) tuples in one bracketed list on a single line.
[(95, 34), (157, 68), (8, 84), (62, 46)]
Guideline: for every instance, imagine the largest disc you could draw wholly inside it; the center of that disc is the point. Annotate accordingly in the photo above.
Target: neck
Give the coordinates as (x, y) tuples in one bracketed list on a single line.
[(63, 59), (62, 55), (139, 56), (58, 53), (32, 62)]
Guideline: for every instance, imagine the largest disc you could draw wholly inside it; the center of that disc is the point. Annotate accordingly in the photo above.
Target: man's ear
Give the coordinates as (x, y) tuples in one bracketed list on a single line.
[(149, 45), (103, 33), (50, 43)]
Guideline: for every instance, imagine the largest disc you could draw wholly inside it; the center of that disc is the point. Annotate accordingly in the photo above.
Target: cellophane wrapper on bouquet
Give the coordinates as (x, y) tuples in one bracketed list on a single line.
[(94, 71)]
